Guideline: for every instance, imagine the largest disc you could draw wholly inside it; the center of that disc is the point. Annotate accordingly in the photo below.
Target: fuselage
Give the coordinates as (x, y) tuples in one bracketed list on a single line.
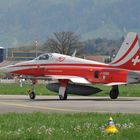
[(62, 65)]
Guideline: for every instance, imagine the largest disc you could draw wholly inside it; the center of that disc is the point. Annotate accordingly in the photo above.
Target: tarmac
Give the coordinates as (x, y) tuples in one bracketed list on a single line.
[(74, 104)]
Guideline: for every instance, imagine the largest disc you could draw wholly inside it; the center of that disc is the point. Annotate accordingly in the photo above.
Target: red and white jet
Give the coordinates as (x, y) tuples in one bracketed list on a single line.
[(74, 75)]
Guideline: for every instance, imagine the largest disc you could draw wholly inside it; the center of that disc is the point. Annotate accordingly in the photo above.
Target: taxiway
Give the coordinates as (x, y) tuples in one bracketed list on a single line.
[(22, 104)]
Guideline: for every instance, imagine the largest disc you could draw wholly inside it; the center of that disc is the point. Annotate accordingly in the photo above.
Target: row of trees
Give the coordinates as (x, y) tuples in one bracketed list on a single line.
[(68, 42)]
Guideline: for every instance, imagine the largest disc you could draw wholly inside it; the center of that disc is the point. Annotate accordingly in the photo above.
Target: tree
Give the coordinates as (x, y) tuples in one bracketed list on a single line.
[(64, 43)]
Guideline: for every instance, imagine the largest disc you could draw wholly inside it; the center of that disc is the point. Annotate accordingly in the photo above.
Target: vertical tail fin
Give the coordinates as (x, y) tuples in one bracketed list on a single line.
[(128, 57)]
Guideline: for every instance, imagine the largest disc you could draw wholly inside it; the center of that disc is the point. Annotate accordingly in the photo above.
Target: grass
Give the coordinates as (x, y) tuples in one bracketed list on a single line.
[(15, 89), (80, 126)]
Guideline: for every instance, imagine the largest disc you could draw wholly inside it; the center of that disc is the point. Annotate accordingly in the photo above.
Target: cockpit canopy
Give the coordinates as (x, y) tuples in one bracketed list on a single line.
[(43, 57)]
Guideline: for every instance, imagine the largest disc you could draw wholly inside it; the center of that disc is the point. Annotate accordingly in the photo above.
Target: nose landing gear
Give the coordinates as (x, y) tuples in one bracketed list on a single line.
[(31, 92), (32, 95)]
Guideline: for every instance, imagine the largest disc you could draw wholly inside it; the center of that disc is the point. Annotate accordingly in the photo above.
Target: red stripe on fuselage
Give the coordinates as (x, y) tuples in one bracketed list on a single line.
[(64, 64)]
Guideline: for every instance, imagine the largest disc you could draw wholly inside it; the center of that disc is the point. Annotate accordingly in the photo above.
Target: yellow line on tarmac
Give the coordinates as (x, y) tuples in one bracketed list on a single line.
[(40, 107)]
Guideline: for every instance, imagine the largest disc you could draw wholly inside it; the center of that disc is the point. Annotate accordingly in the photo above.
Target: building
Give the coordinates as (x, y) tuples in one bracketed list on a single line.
[(2, 54), (21, 55), (98, 58)]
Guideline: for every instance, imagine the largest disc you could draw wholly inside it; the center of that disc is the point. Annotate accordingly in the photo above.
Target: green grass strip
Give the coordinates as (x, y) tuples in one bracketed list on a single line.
[(55, 126), (15, 89)]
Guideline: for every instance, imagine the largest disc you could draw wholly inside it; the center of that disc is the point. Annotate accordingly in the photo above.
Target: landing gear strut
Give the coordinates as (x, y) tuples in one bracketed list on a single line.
[(114, 92), (31, 92), (62, 90), (63, 97)]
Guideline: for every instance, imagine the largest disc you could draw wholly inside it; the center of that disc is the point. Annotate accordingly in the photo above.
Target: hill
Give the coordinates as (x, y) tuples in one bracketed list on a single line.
[(23, 22)]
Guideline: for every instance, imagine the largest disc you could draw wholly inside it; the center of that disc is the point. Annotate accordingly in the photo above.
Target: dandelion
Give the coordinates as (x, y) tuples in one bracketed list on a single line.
[(67, 132), (38, 132), (43, 127), (87, 125), (62, 129), (17, 133), (19, 130), (9, 132), (50, 131), (77, 128), (102, 128), (29, 129), (125, 125), (85, 136)]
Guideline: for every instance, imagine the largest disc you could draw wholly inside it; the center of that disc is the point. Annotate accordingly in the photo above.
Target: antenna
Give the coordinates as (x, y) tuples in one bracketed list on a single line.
[(74, 53)]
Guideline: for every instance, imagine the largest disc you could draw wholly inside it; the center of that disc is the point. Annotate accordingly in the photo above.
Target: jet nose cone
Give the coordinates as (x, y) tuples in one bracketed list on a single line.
[(5, 69), (2, 69)]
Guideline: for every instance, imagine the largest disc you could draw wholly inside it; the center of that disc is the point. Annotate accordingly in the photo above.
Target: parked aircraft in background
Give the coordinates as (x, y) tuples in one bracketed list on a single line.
[(74, 75)]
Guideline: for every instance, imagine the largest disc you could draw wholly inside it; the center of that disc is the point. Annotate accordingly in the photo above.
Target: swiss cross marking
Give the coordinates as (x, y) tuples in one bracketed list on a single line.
[(136, 60)]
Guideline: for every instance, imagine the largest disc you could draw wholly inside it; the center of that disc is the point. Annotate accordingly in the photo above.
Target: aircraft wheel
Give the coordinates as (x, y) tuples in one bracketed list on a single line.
[(32, 95), (114, 92), (63, 97)]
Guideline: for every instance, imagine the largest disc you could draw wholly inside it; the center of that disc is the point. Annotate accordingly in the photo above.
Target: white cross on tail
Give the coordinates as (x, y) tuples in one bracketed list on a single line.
[(136, 60)]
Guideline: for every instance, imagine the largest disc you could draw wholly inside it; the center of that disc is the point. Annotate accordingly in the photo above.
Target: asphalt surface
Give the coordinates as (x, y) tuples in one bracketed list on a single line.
[(22, 104)]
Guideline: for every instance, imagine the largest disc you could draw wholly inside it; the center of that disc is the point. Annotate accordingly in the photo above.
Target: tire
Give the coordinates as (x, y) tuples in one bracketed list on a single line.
[(63, 98), (32, 95), (114, 93)]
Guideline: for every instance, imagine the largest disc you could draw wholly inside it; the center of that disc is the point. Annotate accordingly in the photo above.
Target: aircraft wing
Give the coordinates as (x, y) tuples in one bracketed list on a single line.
[(115, 83), (74, 79)]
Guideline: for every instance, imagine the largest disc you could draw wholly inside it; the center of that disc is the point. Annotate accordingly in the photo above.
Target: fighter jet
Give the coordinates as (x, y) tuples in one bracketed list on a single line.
[(79, 76)]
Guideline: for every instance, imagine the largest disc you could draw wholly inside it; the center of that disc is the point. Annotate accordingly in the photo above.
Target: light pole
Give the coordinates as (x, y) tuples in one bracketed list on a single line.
[(36, 45)]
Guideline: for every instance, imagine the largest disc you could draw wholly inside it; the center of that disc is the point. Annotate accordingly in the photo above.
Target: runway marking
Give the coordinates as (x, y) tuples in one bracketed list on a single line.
[(40, 107), (49, 108)]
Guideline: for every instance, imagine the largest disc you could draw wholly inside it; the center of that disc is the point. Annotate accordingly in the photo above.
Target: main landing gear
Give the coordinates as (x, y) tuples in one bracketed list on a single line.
[(31, 92), (63, 97), (62, 90), (114, 92)]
